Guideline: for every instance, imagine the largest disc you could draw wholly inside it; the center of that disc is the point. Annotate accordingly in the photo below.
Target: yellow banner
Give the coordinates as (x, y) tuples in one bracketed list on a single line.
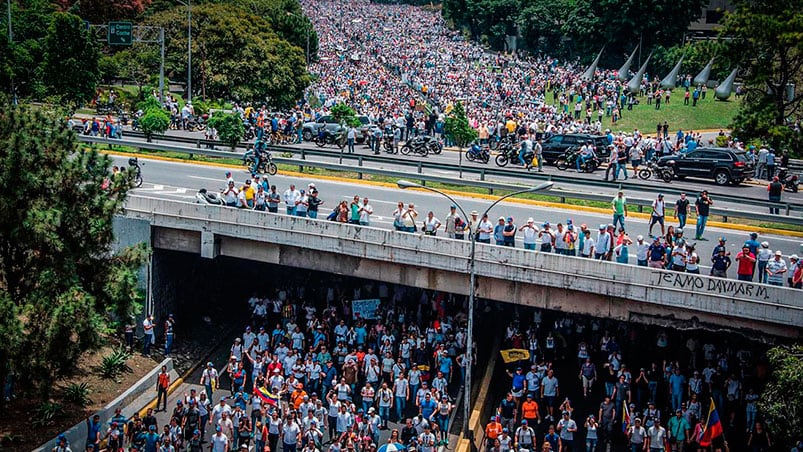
[(514, 354)]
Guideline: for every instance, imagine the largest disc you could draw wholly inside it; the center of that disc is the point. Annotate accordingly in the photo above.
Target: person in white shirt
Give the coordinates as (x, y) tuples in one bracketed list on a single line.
[(485, 230), (589, 245), (365, 211), (530, 232), (431, 224), (291, 198)]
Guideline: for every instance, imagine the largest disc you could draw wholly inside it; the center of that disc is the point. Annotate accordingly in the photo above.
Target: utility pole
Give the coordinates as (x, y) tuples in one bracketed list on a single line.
[(189, 50)]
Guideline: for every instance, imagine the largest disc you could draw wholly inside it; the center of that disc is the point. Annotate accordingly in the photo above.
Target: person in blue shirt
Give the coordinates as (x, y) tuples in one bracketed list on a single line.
[(93, 427), (445, 366), (151, 439), (677, 384), (499, 229), (427, 406)]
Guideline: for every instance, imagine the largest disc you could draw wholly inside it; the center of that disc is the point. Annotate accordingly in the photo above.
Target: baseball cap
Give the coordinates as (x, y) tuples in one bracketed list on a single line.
[(501, 219), (603, 226), (524, 422), (530, 220), (509, 218), (779, 253), (640, 237), (765, 244)]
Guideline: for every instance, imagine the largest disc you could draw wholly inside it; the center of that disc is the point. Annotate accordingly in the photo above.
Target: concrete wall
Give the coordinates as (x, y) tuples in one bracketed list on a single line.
[(543, 280)]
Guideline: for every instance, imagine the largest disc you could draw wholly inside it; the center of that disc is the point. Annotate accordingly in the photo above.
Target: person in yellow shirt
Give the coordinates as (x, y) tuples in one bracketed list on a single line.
[(247, 195), (510, 125)]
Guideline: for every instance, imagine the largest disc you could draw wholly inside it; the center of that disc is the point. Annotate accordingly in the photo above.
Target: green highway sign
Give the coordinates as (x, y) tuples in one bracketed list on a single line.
[(120, 34)]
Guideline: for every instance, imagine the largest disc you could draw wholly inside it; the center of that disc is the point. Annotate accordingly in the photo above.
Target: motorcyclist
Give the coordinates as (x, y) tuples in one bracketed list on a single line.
[(526, 147), (586, 153)]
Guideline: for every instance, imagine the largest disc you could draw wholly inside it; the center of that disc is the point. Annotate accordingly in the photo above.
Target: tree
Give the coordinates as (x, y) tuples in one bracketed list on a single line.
[(457, 127), (229, 127), (102, 11), (236, 55), (344, 115), (154, 119), (70, 65), (782, 399), (60, 282), (764, 41)]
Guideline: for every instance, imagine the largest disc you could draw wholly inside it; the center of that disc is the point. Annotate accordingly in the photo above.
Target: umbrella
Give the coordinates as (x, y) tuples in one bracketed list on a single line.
[(392, 447)]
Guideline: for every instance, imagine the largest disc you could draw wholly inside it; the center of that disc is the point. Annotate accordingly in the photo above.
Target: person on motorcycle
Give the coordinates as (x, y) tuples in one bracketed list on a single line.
[(586, 153), (525, 149), (475, 149)]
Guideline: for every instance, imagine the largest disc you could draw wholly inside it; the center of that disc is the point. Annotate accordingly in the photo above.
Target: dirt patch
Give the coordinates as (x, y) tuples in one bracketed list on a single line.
[(16, 429)]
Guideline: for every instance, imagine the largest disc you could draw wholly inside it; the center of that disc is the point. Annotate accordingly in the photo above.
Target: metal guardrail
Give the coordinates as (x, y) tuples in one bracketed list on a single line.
[(425, 178), (482, 172)]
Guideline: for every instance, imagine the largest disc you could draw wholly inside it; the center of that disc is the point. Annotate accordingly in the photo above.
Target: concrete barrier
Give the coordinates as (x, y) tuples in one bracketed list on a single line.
[(76, 435), (513, 275)]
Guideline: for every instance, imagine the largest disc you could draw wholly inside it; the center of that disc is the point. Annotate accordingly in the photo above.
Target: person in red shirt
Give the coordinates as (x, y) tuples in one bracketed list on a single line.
[(162, 383), (746, 261)]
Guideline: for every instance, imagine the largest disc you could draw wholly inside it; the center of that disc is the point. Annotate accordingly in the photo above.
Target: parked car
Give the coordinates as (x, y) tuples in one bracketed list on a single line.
[(556, 145), (723, 165), (309, 129)]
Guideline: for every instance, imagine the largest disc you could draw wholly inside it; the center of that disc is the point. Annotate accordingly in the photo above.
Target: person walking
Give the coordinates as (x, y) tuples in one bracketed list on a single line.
[(774, 190), (682, 210), (619, 206), (658, 213), (162, 383), (702, 208)]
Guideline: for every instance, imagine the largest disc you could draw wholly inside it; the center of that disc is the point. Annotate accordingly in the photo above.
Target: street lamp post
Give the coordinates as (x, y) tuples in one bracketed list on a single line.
[(472, 283), (188, 4)]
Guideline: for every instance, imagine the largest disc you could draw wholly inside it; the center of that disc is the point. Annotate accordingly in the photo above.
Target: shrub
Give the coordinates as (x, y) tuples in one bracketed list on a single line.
[(229, 127), (77, 393), (115, 364), (46, 413)]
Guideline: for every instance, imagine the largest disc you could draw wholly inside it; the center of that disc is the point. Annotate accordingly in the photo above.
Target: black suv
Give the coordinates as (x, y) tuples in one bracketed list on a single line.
[(723, 165), (556, 145)]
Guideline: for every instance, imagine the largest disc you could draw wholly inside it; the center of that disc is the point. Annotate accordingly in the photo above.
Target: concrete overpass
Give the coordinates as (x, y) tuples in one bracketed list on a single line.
[(513, 275)]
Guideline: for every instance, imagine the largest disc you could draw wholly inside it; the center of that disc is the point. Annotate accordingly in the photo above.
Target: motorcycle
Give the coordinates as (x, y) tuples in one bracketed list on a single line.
[(204, 197), (411, 148), (248, 131), (665, 173), (569, 160), (511, 155), (507, 141), (133, 162), (431, 144), (197, 123), (477, 153), (790, 181), (325, 137), (388, 145), (259, 161)]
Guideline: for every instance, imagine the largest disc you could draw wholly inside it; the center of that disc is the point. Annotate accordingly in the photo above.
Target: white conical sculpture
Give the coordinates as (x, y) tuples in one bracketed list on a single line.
[(702, 77), (625, 69), (671, 79), (589, 73), (634, 85), (724, 90)]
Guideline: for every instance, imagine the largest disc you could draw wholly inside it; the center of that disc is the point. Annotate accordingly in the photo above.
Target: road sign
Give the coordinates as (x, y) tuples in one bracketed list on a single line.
[(120, 34)]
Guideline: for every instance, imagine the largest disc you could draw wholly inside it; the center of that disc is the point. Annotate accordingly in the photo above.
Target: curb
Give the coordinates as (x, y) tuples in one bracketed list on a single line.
[(555, 205)]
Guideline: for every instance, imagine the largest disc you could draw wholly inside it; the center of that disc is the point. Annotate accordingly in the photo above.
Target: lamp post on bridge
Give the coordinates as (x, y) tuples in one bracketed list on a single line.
[(404, 184)]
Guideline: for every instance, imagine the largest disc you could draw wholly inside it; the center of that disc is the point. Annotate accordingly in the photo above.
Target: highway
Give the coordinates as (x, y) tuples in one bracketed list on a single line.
[(752, 189), (180, 181)]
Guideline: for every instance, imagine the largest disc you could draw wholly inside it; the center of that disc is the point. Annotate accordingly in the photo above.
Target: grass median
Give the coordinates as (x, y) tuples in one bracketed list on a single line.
[(604, 207)]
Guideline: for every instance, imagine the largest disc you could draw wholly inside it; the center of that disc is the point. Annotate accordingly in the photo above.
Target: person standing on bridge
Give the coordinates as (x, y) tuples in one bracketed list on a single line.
[(776, 269), (291, 198), (658, 213), (747, 264), (365, 211)]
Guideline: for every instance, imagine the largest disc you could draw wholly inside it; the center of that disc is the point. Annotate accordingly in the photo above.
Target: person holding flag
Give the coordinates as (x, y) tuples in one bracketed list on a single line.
[(712, 428)]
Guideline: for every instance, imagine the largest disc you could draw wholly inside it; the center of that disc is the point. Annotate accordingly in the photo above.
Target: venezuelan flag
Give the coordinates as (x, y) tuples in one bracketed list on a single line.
[(625, 417), (266, 396), (713, 427)]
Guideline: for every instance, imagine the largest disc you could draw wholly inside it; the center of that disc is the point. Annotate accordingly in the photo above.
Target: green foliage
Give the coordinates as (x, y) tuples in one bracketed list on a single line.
[(47, 413), (115, 364), (236, 55), (77, 393), (782, 399), (202, 107), (70, 65), (344, 114), (154, 121), (457, 127), (102, 11), (229, 127), (60, 283), (572, 28), (765, 42)]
